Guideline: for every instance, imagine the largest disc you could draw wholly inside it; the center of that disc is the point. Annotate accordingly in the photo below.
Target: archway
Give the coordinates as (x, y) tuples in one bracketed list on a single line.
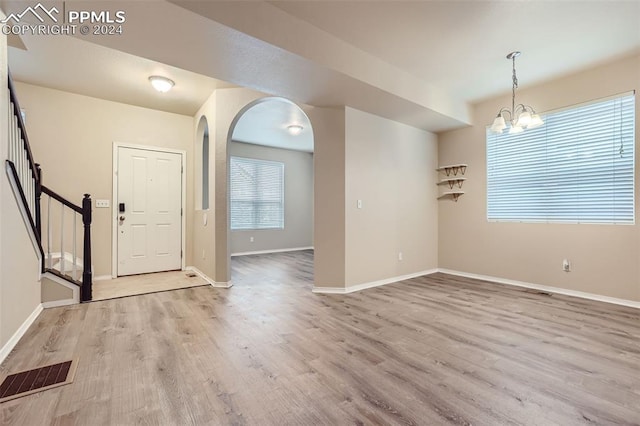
[(269, 179)]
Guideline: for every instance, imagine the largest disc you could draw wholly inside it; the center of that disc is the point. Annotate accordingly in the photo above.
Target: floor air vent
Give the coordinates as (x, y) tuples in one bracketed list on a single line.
[(37, 380)]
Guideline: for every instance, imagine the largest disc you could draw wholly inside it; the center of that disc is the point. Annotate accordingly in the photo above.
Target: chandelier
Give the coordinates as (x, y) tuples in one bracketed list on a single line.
[(520, 116)]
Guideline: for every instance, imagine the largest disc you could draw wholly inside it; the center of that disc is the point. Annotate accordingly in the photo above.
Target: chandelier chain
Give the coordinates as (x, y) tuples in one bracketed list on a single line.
[(520, 116), (514, 86)]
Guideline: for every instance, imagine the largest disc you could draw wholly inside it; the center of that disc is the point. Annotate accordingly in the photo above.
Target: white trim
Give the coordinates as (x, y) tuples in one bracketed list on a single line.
[(75, 290), (13, 341), (363, 286), (200, 273), (329, 290), (248, 253), (58, 303), (557, 290), (102, 278), (205, 277), (23, 211), (114, 200), (114, 209)]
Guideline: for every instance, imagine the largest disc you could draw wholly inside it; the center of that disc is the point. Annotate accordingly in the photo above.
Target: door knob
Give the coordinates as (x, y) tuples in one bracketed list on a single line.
[(121, 218)]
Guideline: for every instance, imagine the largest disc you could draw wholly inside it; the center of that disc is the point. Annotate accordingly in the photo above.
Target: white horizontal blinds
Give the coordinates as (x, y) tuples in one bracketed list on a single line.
[(578, 167), (257, 194)]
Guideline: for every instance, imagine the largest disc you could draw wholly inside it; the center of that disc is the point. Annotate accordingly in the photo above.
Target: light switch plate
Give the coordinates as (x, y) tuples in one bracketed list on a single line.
[(102, 204)]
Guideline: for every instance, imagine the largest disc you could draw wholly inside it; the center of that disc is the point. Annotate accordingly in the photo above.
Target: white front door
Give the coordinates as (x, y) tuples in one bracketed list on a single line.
[(149, 207)]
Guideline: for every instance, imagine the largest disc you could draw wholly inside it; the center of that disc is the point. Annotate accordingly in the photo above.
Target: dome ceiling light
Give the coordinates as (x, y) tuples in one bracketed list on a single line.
[(161, 84), (295, 129)]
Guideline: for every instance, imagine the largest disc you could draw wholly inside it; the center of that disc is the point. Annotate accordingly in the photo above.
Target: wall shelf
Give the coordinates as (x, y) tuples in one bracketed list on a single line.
[(452, 194), (457, 181), (453, 179), (453, 169)]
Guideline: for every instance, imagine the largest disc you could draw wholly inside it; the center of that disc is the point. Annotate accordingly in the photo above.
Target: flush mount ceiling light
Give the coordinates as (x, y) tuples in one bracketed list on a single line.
[(161, 84), (294, 129), (520, 116)]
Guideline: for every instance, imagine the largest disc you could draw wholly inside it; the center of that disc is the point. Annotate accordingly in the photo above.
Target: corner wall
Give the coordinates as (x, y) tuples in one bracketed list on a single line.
[(390, 167), (605, 258), (328, 196)]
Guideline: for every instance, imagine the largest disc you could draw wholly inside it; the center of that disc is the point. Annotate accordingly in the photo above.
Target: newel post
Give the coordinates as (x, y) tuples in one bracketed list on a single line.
[(85, 294)]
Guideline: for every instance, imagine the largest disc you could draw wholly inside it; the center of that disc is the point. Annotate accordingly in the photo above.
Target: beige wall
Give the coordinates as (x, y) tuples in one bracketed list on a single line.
[(329, 196), (52, 291), (4, 153), (391, 168), (19, 264), (72, 138), (605, 258), (204, 227), (298, 199)]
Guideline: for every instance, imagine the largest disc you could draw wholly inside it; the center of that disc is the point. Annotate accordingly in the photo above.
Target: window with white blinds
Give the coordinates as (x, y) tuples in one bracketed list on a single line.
[(257, 194), (578, 167)]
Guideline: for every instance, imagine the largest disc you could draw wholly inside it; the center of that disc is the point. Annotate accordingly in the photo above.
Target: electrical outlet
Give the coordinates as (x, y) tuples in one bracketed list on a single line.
[(251, 239), (566, 265), (359, 204), (400, 256)]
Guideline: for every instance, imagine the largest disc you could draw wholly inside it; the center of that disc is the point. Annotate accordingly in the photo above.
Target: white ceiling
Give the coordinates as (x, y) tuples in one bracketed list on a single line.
[(77, 66), (266, 122), (418, 62), (461, 45)]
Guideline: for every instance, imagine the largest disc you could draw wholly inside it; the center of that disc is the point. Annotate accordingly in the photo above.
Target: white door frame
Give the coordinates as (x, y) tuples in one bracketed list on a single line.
[(114, 198)]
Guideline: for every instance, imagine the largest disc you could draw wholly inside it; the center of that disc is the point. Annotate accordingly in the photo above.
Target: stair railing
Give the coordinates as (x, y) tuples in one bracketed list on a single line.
[(67, 226), (21, 159), (28, 178)]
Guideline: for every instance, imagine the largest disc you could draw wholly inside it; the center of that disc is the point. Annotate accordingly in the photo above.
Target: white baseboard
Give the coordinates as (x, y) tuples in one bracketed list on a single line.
[(102, 278), (58, 303), (13, 341), (205, 277), (557, 290), (363, 286), (248, 253)]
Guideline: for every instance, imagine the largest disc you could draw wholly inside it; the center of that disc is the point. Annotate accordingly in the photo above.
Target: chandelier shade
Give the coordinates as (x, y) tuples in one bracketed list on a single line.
[(520, 116)]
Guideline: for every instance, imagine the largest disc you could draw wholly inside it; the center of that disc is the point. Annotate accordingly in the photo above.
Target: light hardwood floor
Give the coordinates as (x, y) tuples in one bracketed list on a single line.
[(427, 351), (145, 283)]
